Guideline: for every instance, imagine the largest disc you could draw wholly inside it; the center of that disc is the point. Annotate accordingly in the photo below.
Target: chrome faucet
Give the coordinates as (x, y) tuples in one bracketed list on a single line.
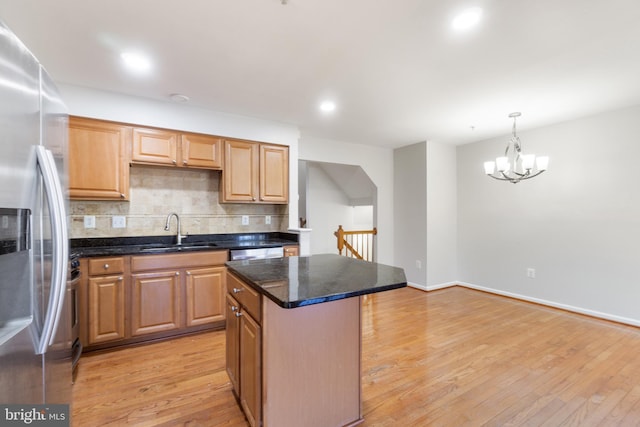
[(179, 236)]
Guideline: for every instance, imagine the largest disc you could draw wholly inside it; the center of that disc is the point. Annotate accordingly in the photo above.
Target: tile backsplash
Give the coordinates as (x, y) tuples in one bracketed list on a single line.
[(191, 193)]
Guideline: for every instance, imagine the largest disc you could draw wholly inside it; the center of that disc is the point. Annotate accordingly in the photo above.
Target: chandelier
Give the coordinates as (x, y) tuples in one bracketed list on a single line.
[(515, 166)]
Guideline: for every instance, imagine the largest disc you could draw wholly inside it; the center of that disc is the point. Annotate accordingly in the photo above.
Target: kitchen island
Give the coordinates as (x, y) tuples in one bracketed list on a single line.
[(294, 337)]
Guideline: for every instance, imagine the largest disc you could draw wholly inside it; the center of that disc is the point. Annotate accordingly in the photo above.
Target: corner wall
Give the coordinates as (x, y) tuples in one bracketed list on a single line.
[(410, 211), (378, 164), (577, 225)]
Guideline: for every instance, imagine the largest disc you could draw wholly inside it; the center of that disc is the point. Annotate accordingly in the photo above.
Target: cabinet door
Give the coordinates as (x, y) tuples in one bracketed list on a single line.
[(106, 309), (250, 369), (154, 146), (274, 173), (98, 161), (240, 173), (201, 151), (205, 295), (291, 250), (232, 335), (155, 302)]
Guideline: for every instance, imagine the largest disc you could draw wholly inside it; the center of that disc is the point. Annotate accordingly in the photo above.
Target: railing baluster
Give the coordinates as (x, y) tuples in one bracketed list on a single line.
[(356, 244)]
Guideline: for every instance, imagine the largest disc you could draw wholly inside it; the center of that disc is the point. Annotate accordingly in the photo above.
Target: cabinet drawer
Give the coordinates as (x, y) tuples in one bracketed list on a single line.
[(101, 266), (245, 295), (178, 260)]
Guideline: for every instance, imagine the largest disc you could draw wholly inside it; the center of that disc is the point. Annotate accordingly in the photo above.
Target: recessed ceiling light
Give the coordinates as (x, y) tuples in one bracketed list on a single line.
[(327, 106), (468, 19), (136, 62)]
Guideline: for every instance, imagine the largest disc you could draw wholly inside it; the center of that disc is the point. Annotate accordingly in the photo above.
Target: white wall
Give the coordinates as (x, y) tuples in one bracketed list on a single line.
[(578, 224), (442, 215), (121, 108), (378, 164), (410, 211), (327, 207)]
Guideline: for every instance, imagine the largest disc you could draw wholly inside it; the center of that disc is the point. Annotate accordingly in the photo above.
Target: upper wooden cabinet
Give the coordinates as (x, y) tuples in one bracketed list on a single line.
[(98, 159), (168, 148), (255, 173), (201, 151), (154, 146)]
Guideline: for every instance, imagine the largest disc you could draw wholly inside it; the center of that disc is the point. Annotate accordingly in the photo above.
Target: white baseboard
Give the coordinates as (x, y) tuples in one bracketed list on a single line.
[(587, 312)]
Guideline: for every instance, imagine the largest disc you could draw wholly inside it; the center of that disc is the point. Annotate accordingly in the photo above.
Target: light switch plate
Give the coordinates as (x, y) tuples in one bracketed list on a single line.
[(245, 219), (118, 221), (267, 219), (89, 221)]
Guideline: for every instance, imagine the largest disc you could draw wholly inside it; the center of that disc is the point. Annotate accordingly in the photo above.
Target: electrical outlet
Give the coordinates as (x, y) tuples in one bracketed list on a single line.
[(418, 264), (89, 221), (5, 221), (118, 221), (531, 273), (267, 219), (245, 219)]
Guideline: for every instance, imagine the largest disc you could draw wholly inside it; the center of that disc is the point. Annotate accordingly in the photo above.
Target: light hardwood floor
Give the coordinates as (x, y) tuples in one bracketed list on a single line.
[(454, 357)]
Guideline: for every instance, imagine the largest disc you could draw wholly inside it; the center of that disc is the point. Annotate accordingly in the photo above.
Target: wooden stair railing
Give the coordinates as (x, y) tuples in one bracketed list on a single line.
[(356, 244)]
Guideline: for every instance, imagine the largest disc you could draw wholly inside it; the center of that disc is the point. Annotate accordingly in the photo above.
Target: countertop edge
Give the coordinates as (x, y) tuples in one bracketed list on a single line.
[(316, 300)]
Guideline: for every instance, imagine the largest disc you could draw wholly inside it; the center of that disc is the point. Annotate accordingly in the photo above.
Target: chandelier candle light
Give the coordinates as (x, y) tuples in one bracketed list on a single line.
[(516, 166)]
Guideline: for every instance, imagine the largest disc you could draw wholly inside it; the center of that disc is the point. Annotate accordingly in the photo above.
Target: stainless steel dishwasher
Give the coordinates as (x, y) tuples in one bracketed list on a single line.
[(256, 253)]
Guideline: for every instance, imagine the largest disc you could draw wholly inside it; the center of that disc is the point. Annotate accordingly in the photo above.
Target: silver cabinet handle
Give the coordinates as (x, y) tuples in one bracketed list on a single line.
[(237, 290), (122, 196), (184, 162), (234, 308), (177, 273), (120, 279), (238, 314), (188, 273), (106, 266), (174, 161)]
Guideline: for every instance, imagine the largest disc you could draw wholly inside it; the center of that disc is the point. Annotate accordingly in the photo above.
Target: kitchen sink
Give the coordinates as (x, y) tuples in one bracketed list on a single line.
[(172, 248)]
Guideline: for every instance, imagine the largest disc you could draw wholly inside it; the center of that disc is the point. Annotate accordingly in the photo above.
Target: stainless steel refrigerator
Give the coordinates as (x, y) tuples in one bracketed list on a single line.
[(35, 348)]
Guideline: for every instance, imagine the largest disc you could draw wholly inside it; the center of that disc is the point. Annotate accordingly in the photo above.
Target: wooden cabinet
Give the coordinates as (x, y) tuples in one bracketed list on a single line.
[(98, 159), (201, 151), (232, 336), (244, 347), (274, 173), (291, 250), (205, 289), (250, 368), (154, 146), (169, 148), (255, 173), (155, 302), (131, 299), (105, 294), (177, 291)]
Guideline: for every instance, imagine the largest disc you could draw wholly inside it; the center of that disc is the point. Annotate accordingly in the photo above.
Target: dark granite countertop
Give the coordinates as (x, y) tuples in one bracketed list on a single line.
[(299, 281), (147, 245)]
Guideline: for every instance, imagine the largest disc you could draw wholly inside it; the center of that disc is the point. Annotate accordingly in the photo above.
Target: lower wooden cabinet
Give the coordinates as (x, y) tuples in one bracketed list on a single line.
[(106, 308), (250, 369), (291, 250), (205, 289), (131, 299), (155, 302), (244, 350)]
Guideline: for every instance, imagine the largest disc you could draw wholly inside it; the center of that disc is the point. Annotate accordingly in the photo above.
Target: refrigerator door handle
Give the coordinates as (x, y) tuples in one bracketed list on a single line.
[(60, 250)]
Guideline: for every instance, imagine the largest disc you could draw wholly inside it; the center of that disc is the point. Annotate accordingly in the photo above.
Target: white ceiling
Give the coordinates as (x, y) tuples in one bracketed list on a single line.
[(396, 70)]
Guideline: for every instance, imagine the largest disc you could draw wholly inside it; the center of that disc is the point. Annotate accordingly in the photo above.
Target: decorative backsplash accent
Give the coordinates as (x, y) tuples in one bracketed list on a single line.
[(191, 193)]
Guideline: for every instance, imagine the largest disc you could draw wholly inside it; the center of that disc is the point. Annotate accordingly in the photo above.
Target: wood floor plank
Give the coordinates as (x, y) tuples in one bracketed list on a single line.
[(452, 357)]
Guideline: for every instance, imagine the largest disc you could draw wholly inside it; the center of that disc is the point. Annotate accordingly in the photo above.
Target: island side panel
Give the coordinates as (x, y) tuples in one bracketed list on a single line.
[(312, 364)]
